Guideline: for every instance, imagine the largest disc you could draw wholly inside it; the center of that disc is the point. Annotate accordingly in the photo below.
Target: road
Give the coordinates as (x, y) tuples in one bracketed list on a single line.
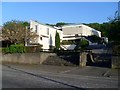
[(30, 77)]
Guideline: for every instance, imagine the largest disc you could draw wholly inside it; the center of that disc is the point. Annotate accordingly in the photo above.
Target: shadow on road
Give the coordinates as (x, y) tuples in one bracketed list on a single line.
[(106, 64)]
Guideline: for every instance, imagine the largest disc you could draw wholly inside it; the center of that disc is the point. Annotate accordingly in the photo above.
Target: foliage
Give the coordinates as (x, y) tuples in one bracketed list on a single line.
[(0, 50), (101, 27), (57, 40), (15, 31), (60, 24), (33, 49), (114, 32), (95, 39), (18, 48), (109, 29), (84, 43), (116, 50), (96, 26), (25, 24), (5, 50), (67, 42), (50, 24), (81, 44), (114, 28)]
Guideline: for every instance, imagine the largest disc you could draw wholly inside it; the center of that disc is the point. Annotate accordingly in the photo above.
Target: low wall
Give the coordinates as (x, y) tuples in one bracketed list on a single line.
[(44, 56), (26, 58), (115, 62), (39, 58)]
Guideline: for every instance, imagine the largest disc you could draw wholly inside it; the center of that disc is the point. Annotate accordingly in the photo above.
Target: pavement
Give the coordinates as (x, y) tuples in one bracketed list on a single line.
[(74, 70), (49, 76)]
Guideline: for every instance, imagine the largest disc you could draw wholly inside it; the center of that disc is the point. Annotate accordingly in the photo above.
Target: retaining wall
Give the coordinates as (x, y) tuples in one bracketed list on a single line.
[(39, 58), (115, 62), (26, 58)]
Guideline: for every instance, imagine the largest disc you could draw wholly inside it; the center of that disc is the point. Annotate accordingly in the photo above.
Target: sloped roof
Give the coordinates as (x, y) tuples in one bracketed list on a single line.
[(43, 24)]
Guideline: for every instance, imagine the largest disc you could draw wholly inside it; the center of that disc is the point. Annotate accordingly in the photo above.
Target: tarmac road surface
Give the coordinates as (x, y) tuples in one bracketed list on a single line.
[(22, 76)]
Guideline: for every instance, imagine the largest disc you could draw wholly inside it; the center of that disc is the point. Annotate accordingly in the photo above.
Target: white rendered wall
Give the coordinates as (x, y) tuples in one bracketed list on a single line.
[(80, 29), (45, 32)]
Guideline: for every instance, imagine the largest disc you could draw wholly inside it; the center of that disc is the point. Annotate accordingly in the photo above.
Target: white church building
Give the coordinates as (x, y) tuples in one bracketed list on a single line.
[(46, 34)]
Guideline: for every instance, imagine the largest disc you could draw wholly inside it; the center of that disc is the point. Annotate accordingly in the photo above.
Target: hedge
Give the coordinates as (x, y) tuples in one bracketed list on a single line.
[(19, 48), (116, 50), (33, 49), (81, 45)]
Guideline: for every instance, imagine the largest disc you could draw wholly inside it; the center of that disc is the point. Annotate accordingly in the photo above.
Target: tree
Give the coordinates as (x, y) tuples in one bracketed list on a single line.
[(57, 40), (114, 29), (96, 26), (50, 25), (60, 24), (15, 31), (81, 44)]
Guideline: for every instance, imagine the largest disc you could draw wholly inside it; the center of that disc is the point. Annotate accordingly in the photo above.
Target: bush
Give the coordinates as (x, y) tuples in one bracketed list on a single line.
[(95, 39), (116, 50), (68, 42), (0, 50), (5, 50), (14, 49), (81, 45), (32, 49), (84, 43), (19, 48)]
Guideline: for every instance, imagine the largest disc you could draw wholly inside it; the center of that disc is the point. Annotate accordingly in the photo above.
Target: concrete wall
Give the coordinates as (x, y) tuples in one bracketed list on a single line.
[(44, 56), (26, 58), (39, 58), (71, 30), (84, 30), (46, 34), (69, 47), (115, 62)]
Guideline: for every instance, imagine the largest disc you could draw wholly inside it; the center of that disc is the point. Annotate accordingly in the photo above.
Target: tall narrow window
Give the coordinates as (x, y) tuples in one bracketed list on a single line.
[(36, 28)]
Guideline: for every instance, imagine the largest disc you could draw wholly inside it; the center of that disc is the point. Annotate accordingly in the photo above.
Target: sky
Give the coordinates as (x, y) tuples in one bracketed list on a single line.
[(53, 12)]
